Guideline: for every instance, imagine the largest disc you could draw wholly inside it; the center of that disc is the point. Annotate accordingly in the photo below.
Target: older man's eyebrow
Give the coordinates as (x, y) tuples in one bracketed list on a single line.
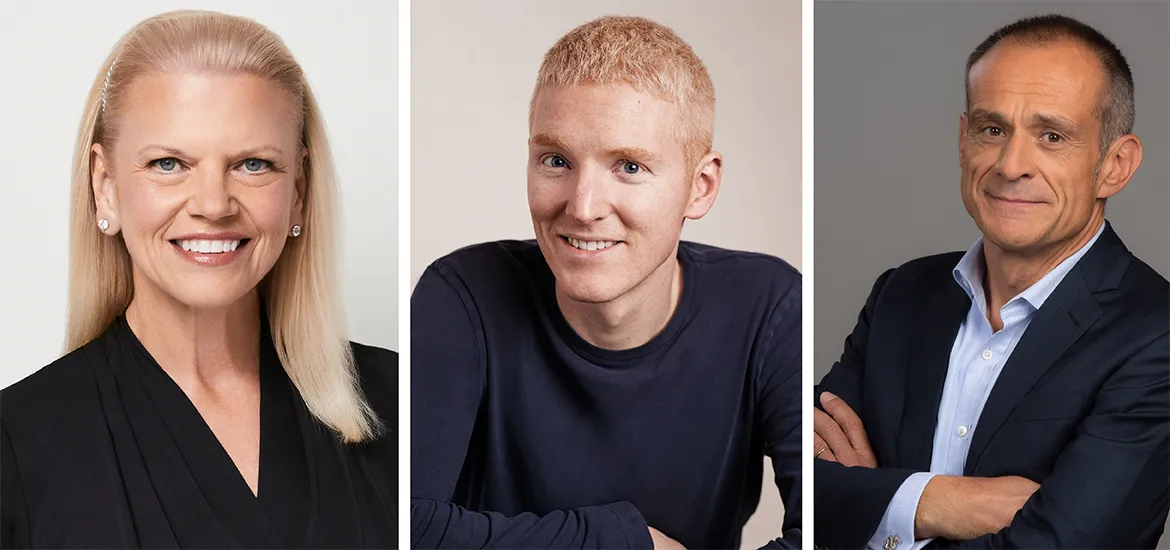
[(1059, 123), (1056, 122), (983, 115)]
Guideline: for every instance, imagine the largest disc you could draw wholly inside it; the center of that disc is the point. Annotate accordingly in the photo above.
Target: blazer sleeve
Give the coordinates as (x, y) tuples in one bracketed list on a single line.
[(780, 410), (13, 512), (448, 377), (849, 502), (1110, 487)]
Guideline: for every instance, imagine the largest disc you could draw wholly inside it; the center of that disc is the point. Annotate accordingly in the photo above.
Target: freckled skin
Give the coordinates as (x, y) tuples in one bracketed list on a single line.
[(216, 122), (1031, 186)]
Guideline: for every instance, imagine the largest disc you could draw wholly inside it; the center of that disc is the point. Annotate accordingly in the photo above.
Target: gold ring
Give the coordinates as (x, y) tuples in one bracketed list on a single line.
[(818, 455)]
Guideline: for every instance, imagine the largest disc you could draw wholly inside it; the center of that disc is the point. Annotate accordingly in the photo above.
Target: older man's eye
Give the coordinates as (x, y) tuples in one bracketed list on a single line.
[(1052, 137), (631, 167)]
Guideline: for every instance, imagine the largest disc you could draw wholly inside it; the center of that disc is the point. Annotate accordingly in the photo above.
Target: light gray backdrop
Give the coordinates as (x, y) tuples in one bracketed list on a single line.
[(889, 92), (52, 51)]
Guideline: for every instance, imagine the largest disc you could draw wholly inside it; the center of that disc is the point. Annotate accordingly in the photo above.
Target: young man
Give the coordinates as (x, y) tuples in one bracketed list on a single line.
[(1017, 395), (608, 385)]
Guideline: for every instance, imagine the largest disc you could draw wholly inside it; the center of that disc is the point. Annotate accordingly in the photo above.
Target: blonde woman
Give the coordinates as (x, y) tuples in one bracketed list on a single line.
[(209, 396)]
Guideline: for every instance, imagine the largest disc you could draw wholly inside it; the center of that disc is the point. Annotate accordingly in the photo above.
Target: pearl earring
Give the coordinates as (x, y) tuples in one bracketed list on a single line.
[(296, 231), (103, 224)]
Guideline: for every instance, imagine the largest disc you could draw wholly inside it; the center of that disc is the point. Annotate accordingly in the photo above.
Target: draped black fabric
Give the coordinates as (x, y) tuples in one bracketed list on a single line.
[(101, 449)]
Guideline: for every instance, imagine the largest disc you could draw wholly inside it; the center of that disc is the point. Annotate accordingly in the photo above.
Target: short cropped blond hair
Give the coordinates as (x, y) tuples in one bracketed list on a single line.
[(301, 291), (644, 55)]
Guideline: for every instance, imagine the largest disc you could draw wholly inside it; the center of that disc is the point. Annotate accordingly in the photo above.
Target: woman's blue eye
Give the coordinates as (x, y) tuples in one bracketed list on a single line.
[(631, 167), (167, 164), (255, 165), (555, 161)]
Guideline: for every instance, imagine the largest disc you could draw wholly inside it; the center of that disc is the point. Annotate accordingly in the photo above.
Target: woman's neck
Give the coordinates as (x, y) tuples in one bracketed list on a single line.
[(198, 347)]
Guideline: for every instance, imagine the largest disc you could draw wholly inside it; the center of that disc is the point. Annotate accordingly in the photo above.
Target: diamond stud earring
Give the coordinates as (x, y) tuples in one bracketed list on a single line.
[(296, 231), (103, 224)]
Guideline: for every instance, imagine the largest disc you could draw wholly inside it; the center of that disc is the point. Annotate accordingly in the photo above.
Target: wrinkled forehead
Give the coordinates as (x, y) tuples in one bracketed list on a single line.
[(1061, 74)]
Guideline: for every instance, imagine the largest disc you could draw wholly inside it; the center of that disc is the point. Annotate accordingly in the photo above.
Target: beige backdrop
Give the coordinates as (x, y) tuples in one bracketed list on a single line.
[(473, 65)]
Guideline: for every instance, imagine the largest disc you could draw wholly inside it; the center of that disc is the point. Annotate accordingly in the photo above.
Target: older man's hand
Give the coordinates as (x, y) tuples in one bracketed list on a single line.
[(839, 435)]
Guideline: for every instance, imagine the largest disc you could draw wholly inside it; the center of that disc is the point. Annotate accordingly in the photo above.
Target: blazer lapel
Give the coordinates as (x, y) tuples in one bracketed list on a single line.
[(936, 322), (1064, 317)]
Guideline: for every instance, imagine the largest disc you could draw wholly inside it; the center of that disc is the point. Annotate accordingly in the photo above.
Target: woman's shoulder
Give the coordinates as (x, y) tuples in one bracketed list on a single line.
[(61, 384), (56, 406)]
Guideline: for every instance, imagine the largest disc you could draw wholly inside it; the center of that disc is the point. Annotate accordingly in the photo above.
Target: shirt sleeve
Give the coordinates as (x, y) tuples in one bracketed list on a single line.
[(447, 382), (780, 410), (896, 530)]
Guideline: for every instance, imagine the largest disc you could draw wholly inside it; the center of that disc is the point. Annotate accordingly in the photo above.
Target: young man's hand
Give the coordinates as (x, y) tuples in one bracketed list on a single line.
[(663, 542)]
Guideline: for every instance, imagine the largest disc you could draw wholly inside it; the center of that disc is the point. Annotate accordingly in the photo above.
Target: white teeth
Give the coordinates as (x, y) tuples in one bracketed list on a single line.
[(209, 247), (590, 245)]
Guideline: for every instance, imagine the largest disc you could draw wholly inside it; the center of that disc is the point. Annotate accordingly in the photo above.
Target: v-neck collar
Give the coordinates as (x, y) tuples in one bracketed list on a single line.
[(209, 468), (183, 490)]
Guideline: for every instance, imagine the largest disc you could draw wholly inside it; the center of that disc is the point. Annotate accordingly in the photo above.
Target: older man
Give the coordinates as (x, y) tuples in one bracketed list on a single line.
[(1015, 396), (607, 386)]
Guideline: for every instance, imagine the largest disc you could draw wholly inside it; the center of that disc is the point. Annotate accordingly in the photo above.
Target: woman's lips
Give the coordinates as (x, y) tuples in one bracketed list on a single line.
[(211, 252)]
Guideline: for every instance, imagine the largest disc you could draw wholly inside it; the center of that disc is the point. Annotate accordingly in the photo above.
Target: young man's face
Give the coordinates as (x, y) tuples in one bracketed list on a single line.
[(608, 187)]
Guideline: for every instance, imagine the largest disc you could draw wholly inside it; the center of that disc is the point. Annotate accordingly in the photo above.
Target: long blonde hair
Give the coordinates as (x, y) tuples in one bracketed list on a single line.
[(301, 292)]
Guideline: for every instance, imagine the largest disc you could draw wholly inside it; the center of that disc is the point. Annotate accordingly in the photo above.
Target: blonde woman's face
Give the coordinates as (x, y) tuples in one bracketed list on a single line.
[(204, 183)]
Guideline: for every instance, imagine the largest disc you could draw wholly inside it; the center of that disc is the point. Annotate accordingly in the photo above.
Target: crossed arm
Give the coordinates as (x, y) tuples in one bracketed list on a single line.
[(1107, 489), (952, 507)]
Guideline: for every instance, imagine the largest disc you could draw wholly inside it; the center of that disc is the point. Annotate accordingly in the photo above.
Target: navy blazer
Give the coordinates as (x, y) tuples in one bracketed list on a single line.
[(1082, 406)]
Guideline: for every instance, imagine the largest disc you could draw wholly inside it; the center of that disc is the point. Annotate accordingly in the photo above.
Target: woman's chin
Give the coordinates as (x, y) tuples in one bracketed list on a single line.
[(211, 299)]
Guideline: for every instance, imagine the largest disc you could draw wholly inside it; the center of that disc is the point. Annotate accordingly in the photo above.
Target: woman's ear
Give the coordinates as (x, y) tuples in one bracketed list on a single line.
[(105, 197), (298, 206)]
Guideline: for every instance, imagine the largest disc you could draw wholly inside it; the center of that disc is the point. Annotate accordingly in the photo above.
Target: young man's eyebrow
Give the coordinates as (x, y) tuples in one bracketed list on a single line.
[(634, 154), (545, 140)]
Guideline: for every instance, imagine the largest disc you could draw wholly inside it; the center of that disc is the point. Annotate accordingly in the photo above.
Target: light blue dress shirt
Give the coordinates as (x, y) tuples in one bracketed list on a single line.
[(977, 357)]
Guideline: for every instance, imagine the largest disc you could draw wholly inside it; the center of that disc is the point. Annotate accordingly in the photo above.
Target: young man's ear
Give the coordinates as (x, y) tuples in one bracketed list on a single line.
[(705, 185)]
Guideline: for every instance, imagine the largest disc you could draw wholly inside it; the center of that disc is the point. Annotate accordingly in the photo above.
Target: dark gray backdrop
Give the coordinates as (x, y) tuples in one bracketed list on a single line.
[(889, 92)]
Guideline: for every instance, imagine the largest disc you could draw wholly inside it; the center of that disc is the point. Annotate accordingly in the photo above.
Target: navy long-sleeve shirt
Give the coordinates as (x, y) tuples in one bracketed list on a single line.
[(525, 435)]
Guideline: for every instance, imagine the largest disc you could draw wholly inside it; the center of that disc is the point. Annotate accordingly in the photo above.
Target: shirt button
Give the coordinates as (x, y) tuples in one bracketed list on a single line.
[(891, 542), (986, 354), (962, 431)]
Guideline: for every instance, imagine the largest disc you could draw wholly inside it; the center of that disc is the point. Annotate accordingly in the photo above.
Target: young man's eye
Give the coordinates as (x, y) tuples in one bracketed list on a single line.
[(555, 161)]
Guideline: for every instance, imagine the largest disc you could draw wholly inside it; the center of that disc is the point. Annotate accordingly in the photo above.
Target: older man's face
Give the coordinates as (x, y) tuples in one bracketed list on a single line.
[(1030, 145)]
